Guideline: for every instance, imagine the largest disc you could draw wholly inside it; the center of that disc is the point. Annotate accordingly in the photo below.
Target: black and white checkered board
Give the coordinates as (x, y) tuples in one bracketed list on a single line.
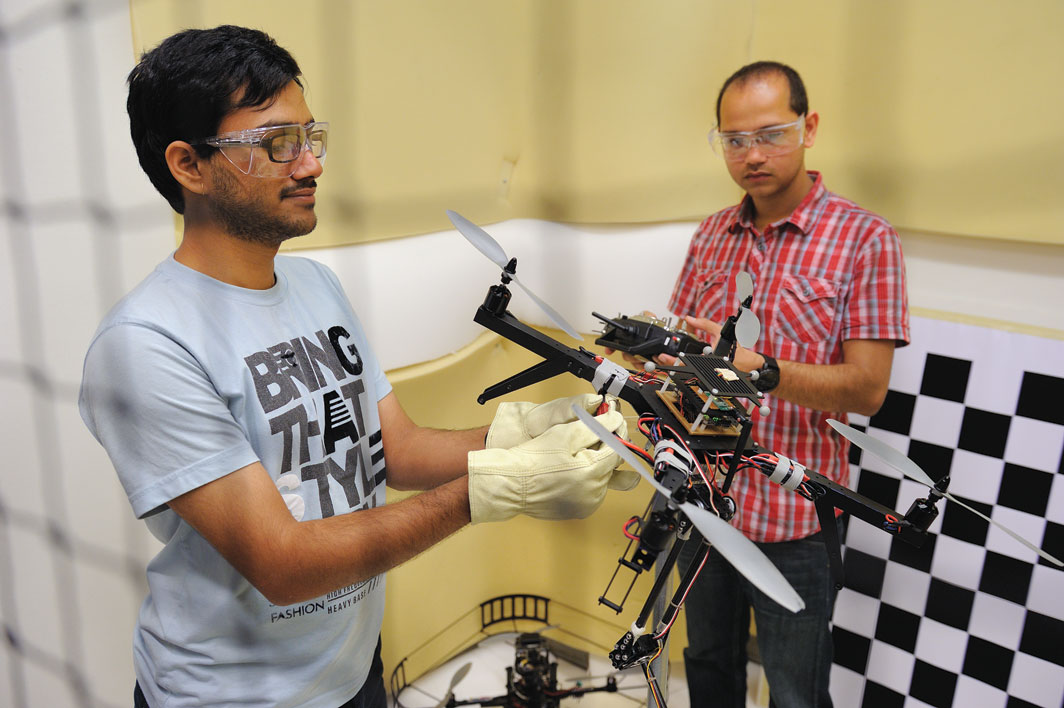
[(972, 618)]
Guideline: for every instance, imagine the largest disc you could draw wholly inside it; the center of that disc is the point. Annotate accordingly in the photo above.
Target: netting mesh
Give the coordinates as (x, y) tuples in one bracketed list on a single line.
[(79, 225)]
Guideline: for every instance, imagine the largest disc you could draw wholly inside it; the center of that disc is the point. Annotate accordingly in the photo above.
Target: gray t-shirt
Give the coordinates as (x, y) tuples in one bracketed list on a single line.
[(188, 379)]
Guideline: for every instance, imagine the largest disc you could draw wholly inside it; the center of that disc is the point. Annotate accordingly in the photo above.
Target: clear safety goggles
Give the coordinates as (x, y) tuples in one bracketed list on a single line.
[(271, 151), (771, 141)]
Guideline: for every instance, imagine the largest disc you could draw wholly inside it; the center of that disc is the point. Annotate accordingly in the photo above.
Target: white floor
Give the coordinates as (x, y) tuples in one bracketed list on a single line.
[(486, 678)]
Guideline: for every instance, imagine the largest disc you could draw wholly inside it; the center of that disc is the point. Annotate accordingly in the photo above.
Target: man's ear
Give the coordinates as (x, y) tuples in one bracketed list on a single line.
[(812, 121), (186, 166)]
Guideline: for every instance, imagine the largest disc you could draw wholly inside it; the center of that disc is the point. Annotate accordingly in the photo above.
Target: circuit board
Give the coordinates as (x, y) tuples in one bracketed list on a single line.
[(719, 420)]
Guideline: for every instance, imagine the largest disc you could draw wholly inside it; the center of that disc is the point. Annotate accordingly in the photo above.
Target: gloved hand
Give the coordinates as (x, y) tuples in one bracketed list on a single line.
[(519, 422), (561, 474)]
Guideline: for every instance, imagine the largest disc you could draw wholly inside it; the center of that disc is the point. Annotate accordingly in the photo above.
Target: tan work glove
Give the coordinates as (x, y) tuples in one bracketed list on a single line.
[(561, 474), (519, 422)]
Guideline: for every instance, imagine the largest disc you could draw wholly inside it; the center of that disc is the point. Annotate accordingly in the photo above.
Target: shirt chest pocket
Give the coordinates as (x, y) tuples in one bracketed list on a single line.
[(808, 308), (711, 288)]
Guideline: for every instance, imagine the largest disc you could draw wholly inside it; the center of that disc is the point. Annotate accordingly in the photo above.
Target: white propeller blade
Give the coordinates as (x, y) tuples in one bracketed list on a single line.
[(747, 329), (911, 470), (551, 312), (744, 284), (487, 245), (883, 451), (736, 548), (455, 680), (479, 238)]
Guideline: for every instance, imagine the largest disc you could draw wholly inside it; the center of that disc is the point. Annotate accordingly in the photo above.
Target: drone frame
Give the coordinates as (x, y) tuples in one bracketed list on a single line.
[(609, 377)]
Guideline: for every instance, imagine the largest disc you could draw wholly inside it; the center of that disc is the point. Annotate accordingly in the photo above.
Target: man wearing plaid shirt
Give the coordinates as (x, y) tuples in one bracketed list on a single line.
[(829, 289)]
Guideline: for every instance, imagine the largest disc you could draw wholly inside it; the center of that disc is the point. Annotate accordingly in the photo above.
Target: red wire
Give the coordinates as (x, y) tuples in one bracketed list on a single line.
[(642, 453)]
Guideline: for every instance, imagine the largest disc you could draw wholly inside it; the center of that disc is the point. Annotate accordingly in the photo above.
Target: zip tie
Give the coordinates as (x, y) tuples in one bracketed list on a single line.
[(610, 376)]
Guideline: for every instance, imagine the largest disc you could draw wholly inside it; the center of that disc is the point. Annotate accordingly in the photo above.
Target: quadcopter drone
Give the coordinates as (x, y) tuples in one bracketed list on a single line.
[(532, 681), (697, 416)]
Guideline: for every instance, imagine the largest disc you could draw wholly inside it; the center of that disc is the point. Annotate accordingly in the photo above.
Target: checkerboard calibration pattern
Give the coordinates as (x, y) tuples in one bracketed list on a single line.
[(973, 618)]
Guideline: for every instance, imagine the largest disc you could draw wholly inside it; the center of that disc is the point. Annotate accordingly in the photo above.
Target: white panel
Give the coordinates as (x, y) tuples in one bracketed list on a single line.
[(1056, 500), (143, 243), (890, 666), (10, 303), (975, 476), (1036, 681), (972, 693), (68, 289), (907, 372), (20, 475), (868, 539), (11, 11), (44, 94), (996, 620), (857, 612), (1026, 525), (37, 589), (122, 183), (906, 588), (107, 606), (1034, 443), (847, 686), (46, 688), (958, 562), (1011, 282), (941, 645), (1046, 591), (95, 505), (937, 421)]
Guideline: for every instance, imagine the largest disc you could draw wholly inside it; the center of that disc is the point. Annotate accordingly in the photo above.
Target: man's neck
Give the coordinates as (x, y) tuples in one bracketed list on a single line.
[(780, 206), (227, 258)]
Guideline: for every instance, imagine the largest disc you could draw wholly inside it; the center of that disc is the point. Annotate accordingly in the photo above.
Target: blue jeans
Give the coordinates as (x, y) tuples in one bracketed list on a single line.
[(796, 649)]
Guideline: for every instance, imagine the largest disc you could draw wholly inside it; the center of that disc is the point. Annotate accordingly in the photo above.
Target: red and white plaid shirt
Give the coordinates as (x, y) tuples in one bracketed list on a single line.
[(830, 272)]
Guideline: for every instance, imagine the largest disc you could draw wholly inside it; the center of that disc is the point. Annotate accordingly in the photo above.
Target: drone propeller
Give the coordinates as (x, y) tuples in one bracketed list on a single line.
[(748, 326), (484, 243), (911, 470), (455, 680), (736, 548)]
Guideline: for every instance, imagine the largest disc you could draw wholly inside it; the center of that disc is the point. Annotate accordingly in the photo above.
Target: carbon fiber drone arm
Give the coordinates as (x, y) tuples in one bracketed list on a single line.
[(557, 359)]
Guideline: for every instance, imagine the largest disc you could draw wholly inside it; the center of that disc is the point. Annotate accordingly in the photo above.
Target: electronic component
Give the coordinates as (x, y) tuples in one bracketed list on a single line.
[(647, 336)]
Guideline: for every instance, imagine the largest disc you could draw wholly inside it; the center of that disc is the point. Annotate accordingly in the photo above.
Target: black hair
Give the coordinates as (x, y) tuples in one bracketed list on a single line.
[(759, 69), (183, 88)]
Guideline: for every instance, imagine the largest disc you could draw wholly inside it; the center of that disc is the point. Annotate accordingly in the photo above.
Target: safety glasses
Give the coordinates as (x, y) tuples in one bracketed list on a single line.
[(271, 151), (771, 141)]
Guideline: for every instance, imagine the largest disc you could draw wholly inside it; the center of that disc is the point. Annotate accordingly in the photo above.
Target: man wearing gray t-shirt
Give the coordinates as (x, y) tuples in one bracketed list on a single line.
[(251, 424)]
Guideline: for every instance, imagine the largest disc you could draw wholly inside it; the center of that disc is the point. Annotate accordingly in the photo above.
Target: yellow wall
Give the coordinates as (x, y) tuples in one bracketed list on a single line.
[(942, 115)]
